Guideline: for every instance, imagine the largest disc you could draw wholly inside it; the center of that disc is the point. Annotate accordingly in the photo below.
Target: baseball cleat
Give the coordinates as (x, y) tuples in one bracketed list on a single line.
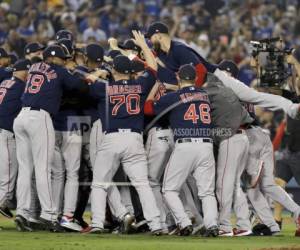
[(223, 233), (255, 179), (93, 230), (70, 224), (199, 230), (4, 210), (240, 232), (159, 232), (126, 223), (211, 232), (36, 224), (174, 230), (22, 224), (52, 226), (186, 231)]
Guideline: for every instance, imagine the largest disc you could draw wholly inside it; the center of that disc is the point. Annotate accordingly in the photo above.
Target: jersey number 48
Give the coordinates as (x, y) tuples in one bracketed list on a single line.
[(131, 101), (204, 113)]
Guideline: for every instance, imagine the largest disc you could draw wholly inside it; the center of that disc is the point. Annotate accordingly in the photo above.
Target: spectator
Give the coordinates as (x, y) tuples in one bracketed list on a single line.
[(93, 32)]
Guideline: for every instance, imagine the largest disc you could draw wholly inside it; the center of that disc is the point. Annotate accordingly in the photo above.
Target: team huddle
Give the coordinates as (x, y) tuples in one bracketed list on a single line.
[(172, 145)]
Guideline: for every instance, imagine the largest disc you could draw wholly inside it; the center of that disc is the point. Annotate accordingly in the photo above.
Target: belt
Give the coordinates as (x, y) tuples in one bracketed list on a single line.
[(123, 130), (32, 108), (204, 140), (240, 131)]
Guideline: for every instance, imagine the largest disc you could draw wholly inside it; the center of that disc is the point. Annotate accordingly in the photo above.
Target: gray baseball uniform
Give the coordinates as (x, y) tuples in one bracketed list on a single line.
[(261, 149), (65, 170), (35, 139), (227, 116), (9, 166)]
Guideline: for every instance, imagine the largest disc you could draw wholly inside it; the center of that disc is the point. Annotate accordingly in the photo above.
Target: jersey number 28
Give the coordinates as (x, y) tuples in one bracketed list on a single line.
[(131, 101), (34, 83), (204, 113)]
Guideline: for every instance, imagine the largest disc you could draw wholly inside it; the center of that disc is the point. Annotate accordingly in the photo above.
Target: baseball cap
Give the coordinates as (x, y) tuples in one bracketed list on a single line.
[(130, 45), (23, 64), (94, 52), (33, 47), (64, 34), (187, 72), (156, 27), (3, 53), (54, 51), (122, 64), (229, 66), (113, 53), (137, 66), (13, 58), (67, 46)]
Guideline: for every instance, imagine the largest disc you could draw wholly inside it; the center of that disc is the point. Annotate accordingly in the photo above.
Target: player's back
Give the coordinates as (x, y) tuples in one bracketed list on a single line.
[(191, 117)]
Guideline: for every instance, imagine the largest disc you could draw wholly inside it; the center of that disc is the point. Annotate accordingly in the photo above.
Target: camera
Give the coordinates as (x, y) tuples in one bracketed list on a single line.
[(274, 72)]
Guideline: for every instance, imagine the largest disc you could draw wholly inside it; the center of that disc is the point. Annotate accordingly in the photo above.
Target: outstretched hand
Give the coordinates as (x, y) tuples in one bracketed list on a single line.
[(139, 38)]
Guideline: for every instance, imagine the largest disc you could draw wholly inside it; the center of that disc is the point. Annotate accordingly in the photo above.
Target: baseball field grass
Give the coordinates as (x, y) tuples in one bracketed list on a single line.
[(10, 239)]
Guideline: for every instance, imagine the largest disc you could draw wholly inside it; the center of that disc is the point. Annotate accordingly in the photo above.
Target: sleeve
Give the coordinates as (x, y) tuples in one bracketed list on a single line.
[(264, 100), (164, 104), (97, 90), (147, 80), (73, 81)]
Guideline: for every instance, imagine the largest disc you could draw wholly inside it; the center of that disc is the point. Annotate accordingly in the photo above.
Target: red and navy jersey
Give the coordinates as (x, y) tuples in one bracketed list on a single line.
[(188, 111), (4, 74), (11, 91), (121, 103), (45, 86), (181, 54)]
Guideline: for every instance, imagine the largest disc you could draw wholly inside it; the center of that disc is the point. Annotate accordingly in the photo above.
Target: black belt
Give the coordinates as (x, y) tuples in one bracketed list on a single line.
[(123, 130), (184, 140), (33, 108)]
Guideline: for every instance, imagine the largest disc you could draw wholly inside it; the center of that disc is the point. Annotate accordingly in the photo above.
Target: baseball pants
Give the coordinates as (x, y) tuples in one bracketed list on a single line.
[(35, 141), (67, 158), (267, 183), (232, 157), (9, 166), (202, 167), (124, 148), (158, 148)]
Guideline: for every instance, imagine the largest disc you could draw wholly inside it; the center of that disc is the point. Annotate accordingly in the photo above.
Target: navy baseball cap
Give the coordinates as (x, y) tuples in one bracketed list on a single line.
[(229, 66), (13, 58), (130, 45), (156, 27), (33, 47), (3, 53), (54, 51), (122, 64), (94, 52), (113, 53), (67, 46), (23, 64), (137, 66), (64, 34), (187, 72)]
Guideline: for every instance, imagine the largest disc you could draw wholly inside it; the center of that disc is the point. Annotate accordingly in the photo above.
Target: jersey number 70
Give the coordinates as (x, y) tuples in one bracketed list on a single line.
[(203, 116), (132, 102)]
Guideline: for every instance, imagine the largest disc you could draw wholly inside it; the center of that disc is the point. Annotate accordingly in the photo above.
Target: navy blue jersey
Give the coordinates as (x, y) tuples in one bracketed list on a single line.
[(4, 74), (45, 85), (189, 114), (11, 91), (125, 101), (178, 55), (166, 75)]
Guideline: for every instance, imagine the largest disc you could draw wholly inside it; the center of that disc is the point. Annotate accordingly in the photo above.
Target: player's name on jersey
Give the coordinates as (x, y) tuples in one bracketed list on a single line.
[(189, 97), (124, 89), (7, 84), (43, 68)]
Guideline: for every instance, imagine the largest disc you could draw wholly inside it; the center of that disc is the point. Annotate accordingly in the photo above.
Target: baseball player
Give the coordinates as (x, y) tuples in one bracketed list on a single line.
[(4, 62), (35, 136), (11, 91), (123, 142), (189, 112), (34, 52), (67, 154), (261, 148), (231, 140)]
